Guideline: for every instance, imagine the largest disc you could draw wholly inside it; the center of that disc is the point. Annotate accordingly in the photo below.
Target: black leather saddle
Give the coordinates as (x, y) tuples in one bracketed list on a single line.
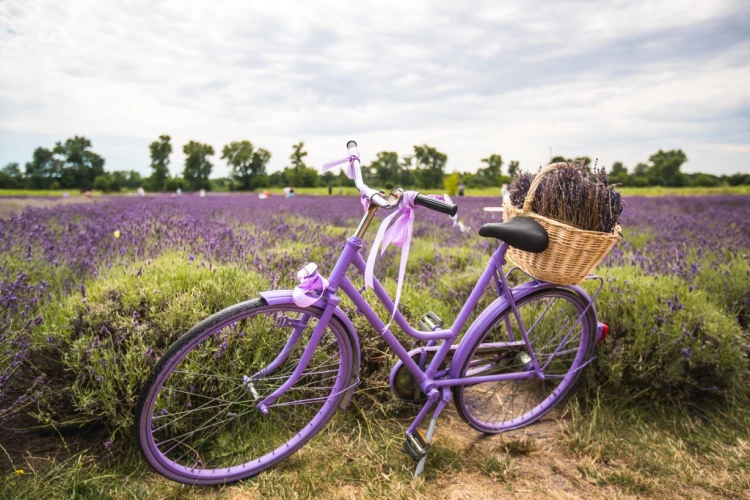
[(522, 233)]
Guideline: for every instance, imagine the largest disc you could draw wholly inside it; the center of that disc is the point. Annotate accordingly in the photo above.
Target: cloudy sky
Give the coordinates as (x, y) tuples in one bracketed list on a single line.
[(611, 80)]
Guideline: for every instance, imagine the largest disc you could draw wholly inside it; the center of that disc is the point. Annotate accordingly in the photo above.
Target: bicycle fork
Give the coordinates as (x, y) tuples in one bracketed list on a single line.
[(307, 355)]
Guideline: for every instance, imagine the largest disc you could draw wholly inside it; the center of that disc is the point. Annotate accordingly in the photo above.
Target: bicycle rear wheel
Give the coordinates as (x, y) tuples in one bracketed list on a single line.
[(561, 332), (197, 420)]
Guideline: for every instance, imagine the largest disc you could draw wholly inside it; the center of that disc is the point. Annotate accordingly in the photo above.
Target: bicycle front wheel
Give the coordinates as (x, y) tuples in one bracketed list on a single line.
[(560, 330), (197, 419)]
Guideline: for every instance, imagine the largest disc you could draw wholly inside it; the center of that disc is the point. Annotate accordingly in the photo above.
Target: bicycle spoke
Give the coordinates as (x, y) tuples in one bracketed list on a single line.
[(208, 375), (193, 431), (223, 427), (556, 337)]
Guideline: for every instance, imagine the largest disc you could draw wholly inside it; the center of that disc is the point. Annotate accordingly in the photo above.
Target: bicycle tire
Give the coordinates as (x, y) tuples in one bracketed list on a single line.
[(468, 397), (193, 467)]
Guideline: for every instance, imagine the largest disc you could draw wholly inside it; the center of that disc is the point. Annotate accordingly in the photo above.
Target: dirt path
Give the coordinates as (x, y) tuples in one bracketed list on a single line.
[(528, 463)]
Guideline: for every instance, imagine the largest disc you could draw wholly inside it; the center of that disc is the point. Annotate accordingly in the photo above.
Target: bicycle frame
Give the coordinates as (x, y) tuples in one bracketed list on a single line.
[(427, 380), (495, 348)]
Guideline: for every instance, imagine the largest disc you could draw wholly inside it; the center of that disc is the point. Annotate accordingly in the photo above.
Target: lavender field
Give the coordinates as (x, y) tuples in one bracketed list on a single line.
[(92, 293)]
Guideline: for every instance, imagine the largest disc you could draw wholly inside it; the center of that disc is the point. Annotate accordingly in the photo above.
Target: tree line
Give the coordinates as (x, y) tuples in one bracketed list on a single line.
[(663, 169), (73, 165), (68, 165)]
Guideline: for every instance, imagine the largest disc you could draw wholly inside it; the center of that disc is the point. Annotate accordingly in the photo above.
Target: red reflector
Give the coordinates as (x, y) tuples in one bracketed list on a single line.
[(605, 331)]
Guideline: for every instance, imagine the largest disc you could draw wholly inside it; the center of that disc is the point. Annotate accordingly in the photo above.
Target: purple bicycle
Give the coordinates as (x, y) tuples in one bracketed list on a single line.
[(250, 385)]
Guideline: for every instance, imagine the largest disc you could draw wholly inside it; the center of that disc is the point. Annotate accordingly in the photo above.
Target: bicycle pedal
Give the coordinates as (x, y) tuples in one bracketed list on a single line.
[(430, 322), (416, 446)]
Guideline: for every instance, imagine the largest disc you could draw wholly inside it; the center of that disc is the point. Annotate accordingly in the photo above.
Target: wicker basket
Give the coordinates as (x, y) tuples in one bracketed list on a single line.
[(572, 253)]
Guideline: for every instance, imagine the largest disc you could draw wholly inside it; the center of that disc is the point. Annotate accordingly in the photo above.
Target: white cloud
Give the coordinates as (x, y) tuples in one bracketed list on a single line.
[(614, 80)]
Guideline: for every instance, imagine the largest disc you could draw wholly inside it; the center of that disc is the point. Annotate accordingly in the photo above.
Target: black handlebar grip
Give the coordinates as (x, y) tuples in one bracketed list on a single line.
[(436, 205), (351, 144)]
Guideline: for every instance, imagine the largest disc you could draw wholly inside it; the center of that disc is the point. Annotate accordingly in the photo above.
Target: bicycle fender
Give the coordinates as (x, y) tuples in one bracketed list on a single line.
[(484, 320), (284, 297)]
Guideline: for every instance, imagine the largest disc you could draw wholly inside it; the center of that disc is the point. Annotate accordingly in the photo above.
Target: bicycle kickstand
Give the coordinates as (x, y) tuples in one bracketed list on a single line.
[(418, 446)]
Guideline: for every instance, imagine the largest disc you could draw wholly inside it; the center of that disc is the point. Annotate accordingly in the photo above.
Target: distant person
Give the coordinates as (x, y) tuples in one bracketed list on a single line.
[(506, 194), (461, 188), (291, 192), (178, 192), (87, 193), (330, 190), (141, 192), (202, 193)]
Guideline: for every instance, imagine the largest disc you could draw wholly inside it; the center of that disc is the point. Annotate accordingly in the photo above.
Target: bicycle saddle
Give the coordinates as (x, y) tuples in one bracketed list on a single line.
[(522, 233)]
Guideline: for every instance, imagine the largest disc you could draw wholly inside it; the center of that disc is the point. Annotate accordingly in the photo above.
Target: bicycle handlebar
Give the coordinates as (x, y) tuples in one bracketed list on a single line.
[(372, 194), (436, 205), (381, 201)]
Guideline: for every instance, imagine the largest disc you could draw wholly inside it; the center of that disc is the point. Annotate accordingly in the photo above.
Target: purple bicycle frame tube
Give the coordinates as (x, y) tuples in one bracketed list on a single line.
[(307, 355), (293, 338), (514, 308), (452, 332), (482, 379), (352, 247), (338, 278), (449, 336)]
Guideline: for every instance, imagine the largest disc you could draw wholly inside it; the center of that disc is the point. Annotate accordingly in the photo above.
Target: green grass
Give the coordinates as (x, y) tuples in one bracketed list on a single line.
[(44, 192), (610, 448), (661, 450), (357, 456)]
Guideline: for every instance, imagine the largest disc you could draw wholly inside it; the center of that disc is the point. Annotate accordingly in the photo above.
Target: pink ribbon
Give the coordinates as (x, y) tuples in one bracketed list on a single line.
[(399, 233), (349, 173), (349, 170), (310, 281), (365, 201)]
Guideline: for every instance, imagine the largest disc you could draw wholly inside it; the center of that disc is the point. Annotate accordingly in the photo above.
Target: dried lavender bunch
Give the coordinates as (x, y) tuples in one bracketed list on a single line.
[(574, 196), (519, 187)]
